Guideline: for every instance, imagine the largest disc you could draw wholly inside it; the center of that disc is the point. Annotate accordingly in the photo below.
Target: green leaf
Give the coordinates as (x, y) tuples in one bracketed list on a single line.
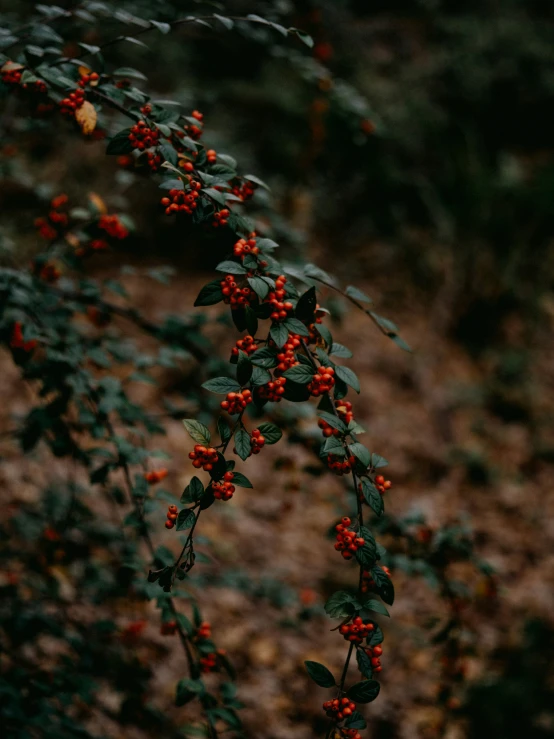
[(333, 446), (129, 72), (296, 327), (187, 689), (251, 320), (221, 385), (342, 604), (377, 606), (120, 143), (373, 498), (338, 350), (303, 36), (227, 22), (353, 292), (242, 443), (244, 368), (300, 374), (241, 480), (360, 452), (399, 341), (378, 461), (305, 308), (364, 663), (185, 519), (232, 268), (325, 334), (163, 27), (383, 585), (376, 637), (169, 153), (216, 195), (260, 377), (333, 421), (266, 357), (355, 721), (260, 287), (193, 491), (348, 376), (223, 429), (279, 334), (256, 180), (364, 692), (320, 674), (198, 432), (270, 432)]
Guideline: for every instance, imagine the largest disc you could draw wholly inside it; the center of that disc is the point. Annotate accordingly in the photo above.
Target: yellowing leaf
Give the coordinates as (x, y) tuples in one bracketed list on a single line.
[(86, 117), (98, 203)]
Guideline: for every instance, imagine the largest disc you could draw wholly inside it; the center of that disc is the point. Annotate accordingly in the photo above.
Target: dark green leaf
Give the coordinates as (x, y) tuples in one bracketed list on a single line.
[(383, 585), (338, 350), (221, 385), (342, 604), (270, 432), (305, 308), (266, 357), (364, 692), (360, 452), (373, 498), (364, 663), (260, 377), (223, 429), (320, 674), (346, 375), (242, 443), (210, 294), (296, 327), (240, 480), (353, 292), (244, 368), (377, 606), (300, 374), (199, 433), (260, 287), (185, 519), (279, 334), (333, 421), (232, 268), (120, 143)]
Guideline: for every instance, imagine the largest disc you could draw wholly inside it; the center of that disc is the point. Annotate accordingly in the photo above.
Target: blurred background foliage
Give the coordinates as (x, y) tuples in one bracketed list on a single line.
[(411, 151)]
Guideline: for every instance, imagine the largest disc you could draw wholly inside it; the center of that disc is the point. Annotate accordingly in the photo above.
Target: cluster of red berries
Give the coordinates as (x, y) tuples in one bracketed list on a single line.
[(50, 272), (356, 631), (257, 441), (182, 200), (155, 476), (45, 227), (322, 381), (99, 245), (247, 344), (243, 191), (194, 131), (221, 217), (154, 160), (17, 342), (88, 78), (340, 466), (211, 155), (204, 457), (281, 309), (368, 583), (286, 356), (344, 409), (233, 294), (204, 631), (348, 542), (143, 137), (223, 490), (246, 246), (74, 100), (171, 516), (374, 654), (350, 733), (113, 227), (327, 429), (168, 628), (11, 73), (381, 484), (339, 709), (236, 402), (209, 662), (273, 391)]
